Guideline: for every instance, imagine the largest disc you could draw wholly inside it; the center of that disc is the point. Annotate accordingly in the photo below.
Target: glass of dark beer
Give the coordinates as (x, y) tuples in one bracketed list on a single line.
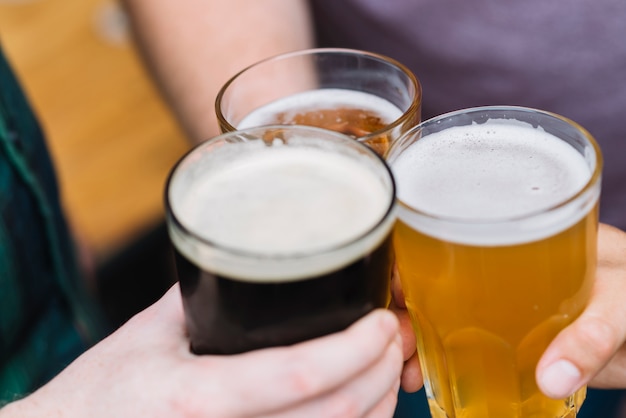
[(368, 96), (281, 234)]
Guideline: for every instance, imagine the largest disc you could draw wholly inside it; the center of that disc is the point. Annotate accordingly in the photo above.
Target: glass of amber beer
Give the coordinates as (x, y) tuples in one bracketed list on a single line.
[(280, 234), (496, 250), (370, 97)]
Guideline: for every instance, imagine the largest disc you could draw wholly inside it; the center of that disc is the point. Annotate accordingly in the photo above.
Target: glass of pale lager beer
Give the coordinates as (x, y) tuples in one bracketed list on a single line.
[(280, 234), (496, 250), (367, 96)]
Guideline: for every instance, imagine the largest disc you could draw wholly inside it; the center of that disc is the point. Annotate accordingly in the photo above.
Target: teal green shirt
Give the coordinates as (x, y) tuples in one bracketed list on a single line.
[(46, 319)]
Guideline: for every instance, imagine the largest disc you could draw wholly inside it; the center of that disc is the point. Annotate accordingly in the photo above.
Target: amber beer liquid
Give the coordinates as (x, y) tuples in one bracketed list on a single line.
[(496, 249), (281, 235), (351, 112)]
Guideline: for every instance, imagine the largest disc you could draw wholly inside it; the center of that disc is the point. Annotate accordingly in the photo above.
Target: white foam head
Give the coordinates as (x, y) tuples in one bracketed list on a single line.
[(486, 176), (321, 99), (280, 212)]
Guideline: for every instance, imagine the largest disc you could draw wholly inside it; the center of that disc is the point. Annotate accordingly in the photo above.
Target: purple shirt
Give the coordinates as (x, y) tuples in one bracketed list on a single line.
[(565, 56)]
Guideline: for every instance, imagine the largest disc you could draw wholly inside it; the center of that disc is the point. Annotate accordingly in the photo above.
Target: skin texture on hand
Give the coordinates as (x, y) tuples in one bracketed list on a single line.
[(146, 369)]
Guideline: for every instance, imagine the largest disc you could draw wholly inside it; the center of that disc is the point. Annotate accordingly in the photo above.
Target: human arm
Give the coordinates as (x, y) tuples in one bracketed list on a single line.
[(193, 47), (146, 369)]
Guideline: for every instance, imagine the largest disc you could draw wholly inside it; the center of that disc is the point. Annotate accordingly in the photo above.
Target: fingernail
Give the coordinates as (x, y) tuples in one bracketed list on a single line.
[(560, 379)]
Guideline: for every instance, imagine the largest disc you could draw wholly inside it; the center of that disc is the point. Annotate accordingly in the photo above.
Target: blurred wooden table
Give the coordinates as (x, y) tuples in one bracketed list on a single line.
[(112, 139)]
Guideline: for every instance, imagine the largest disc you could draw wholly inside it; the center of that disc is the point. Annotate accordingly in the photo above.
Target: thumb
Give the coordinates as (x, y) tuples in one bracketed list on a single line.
[(583, 350)]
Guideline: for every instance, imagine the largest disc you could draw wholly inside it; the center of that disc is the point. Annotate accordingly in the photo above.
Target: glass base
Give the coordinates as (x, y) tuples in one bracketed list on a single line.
[(553, 410)]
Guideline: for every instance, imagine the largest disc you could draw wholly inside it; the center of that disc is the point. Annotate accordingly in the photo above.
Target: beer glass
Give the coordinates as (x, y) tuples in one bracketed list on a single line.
[(368, 96), (496, 250), (280, 234)]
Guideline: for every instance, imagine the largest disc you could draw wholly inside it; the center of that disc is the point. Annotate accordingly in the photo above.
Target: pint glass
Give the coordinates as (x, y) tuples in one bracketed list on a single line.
[(368, 96), (280, 234), (496, 250)]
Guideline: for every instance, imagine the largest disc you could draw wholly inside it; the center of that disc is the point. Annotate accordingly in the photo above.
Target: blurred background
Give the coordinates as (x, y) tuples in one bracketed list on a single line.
[(111, 137)]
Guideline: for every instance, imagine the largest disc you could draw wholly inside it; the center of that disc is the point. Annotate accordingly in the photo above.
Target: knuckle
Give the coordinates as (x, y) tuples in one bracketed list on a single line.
[(385, 407), (341, 406), (302, 379), (600, 336)]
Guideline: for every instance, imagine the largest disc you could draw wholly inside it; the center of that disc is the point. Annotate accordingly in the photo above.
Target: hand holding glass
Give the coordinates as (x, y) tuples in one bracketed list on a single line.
[(496, 250), (281, 234)]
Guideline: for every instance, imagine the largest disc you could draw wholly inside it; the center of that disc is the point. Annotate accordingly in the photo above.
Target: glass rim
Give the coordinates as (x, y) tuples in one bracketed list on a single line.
[(412, 109), (174, 221), (593, 180)]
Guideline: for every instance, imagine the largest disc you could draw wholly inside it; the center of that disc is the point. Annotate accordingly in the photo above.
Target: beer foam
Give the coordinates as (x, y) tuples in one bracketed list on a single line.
[(487, 174), (321, 99), (282, 204)]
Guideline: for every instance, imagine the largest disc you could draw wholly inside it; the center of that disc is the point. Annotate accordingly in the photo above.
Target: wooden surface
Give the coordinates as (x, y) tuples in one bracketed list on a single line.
[(112, 138)]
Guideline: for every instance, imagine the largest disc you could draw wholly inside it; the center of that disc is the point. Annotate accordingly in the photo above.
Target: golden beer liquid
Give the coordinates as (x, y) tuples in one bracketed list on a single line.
[(492, 311)]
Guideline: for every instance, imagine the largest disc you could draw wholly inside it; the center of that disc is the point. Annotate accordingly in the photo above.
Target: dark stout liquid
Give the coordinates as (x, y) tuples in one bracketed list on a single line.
[(226, 316)]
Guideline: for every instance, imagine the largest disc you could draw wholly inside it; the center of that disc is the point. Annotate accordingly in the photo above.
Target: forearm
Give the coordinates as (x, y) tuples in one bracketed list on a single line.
[(192, 48)]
